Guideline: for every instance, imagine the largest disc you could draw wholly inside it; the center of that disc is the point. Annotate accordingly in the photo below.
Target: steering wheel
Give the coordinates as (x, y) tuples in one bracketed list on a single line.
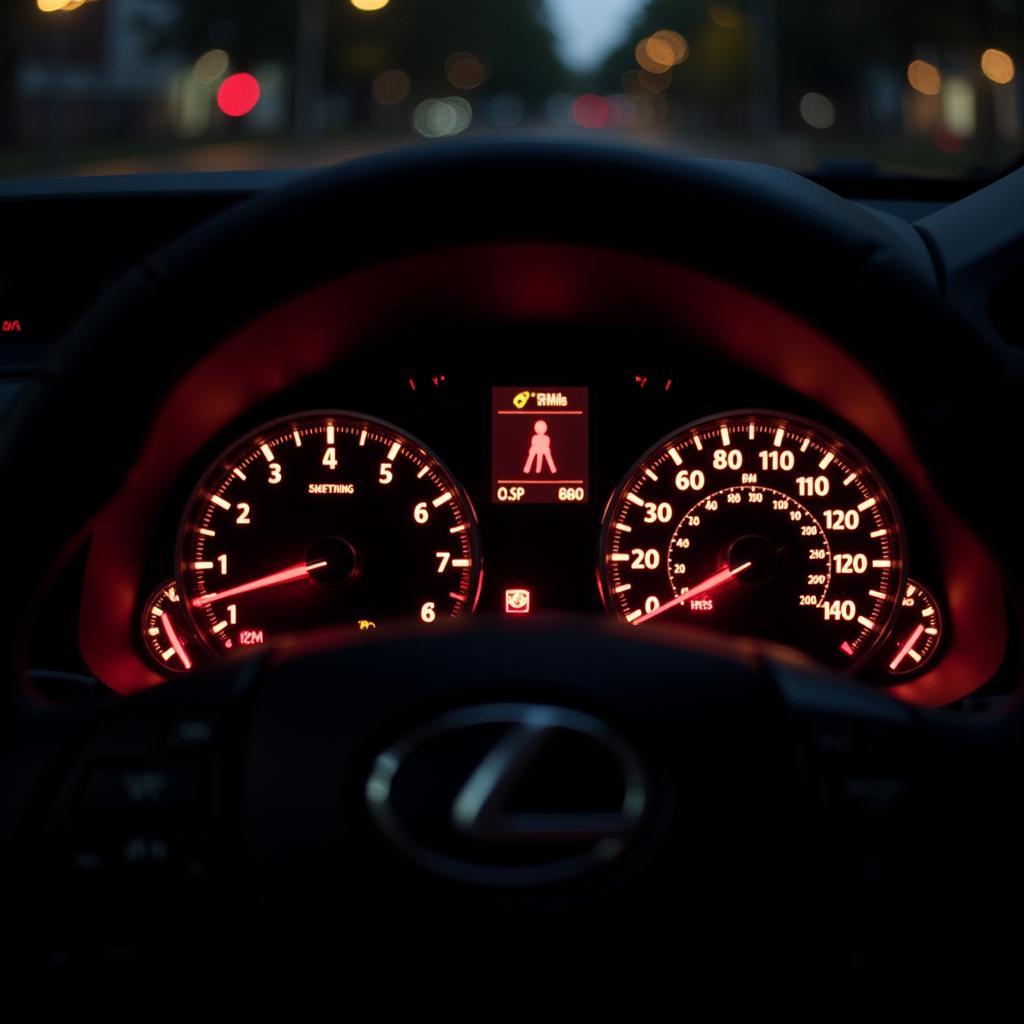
[(572, 772)]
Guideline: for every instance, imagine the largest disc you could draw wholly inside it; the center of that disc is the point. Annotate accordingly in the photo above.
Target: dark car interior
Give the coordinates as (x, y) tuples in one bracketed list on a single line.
[(511, 544)]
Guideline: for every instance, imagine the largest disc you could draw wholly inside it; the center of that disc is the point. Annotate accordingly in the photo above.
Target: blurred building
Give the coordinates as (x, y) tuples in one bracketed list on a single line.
[(89, 74)]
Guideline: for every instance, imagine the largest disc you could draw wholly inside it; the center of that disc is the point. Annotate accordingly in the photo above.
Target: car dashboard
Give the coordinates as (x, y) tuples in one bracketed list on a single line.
[(675, 472), (390, 567), (613, 438)]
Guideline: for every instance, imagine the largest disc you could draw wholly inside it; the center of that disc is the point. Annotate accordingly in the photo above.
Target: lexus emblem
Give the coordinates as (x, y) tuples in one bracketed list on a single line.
[(509, 794)]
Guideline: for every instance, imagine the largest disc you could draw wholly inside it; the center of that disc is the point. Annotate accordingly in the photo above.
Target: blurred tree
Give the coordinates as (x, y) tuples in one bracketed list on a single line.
[(836, 47), (716, 73), (250, 32)]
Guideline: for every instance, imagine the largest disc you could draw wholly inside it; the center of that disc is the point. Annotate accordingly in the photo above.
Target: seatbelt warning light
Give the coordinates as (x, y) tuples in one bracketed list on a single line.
[(540, 445), (517, 601)]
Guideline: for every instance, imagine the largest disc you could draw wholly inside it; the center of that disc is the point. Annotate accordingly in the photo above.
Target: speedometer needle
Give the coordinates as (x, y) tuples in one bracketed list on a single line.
[(275, 579), (711, 583)]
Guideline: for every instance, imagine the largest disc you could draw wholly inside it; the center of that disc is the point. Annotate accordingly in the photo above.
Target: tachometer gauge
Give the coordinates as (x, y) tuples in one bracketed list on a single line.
[(757, 524), (325, 519)]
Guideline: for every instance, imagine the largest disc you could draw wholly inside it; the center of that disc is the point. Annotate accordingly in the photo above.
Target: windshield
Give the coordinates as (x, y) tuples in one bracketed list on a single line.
[(855, 87)]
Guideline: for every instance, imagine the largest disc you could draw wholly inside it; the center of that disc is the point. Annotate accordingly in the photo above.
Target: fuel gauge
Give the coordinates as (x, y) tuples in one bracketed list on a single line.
[(166, 633), (916, 632)]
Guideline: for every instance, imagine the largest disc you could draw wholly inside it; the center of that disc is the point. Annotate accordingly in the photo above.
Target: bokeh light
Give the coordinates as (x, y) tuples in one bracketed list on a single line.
[(959, 107), (818, 111), (391, 87), (370, 5), (626, 111), (997, 66), (238, 95), (654, 83), (924, 77), (590, 111), (465, 71), (661, 51), (211, 65), (438, 119)]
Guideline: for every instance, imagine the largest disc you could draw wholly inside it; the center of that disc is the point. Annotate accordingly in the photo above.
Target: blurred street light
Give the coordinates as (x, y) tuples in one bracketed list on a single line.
[(997, 66), (661, 51), (818, 111), (438, 119), (62, 6), (959, 109), (925, 78), (370, 5), (211, 65)]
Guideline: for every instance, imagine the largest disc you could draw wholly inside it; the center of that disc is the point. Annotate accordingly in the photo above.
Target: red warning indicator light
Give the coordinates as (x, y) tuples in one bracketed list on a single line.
[(517, 601), (540, 446)]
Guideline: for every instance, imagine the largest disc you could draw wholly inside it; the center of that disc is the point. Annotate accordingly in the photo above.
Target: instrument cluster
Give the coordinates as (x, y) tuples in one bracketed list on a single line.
[(667, 499)]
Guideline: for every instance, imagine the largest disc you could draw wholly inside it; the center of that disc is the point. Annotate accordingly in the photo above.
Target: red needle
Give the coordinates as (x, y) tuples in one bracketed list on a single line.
[(711, 583), (906, 648), (172, 636), (296, 572)]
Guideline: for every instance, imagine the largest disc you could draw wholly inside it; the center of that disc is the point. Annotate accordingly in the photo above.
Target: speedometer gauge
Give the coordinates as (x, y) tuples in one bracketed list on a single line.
[(325, 519), (761, 525)]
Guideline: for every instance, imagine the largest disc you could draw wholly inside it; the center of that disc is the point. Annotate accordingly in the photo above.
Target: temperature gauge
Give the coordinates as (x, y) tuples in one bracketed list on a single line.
[(165, 631), (916, 632)]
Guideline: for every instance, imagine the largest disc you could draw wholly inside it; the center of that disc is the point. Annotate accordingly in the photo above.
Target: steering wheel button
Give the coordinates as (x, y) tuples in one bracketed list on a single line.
[(160, 791), (192, 733)]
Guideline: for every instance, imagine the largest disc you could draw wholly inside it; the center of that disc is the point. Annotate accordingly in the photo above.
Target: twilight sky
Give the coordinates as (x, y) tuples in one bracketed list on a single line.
[(588, 29)]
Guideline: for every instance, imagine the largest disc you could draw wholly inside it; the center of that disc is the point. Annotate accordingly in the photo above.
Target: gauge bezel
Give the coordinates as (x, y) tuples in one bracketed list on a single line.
[(224, 463), (851, 450)]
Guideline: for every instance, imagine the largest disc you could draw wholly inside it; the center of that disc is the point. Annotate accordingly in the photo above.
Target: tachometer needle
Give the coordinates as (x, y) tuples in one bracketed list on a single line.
[(906, 648), (711, 583), (175, 641), (275, 579)]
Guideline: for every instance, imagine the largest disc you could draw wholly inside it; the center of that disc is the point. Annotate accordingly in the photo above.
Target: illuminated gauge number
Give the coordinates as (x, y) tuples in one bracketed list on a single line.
[(761, 525), (325, 519), (167, 631)]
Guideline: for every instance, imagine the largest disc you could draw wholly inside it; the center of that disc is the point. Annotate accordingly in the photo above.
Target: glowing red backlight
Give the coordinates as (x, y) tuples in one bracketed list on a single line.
[(590, 111), (238, 94)]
